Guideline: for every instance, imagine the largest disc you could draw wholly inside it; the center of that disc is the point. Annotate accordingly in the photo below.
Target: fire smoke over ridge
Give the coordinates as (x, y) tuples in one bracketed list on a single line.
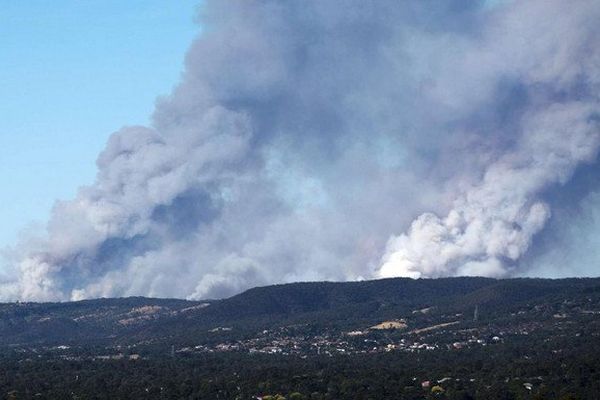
[(304, 138)]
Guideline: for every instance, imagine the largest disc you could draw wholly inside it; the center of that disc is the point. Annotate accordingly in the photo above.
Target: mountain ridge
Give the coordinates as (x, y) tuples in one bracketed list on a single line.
[(341, 306)]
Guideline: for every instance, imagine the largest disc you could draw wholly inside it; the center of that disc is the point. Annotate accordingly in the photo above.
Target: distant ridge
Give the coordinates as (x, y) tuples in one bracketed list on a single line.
[(343, 305)]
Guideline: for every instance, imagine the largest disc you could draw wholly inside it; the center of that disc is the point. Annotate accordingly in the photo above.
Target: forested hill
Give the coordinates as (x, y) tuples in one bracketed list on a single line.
[(321, 306)]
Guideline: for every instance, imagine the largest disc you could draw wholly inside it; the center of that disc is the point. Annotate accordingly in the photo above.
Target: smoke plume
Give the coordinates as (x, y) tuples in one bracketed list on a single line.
[(305, 137)]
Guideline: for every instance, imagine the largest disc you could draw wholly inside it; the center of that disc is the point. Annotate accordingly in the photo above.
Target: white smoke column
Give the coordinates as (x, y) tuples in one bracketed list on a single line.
[(494, 222)]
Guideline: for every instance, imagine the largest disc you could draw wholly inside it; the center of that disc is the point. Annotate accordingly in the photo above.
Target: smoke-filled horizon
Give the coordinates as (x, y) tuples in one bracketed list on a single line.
[(344, 140)]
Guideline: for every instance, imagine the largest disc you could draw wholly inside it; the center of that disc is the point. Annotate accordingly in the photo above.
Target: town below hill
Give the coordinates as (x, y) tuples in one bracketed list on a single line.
[(451, 338)]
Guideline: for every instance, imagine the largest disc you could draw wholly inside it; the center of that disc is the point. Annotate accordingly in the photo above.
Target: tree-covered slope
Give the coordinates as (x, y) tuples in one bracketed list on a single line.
[(340, 305)]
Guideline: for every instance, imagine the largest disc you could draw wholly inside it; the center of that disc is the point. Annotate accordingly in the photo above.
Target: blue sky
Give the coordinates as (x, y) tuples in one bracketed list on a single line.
[(72, 72)]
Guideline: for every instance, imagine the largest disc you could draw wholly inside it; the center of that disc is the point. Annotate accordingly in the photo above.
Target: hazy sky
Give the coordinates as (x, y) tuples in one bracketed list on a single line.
[(71, 73)]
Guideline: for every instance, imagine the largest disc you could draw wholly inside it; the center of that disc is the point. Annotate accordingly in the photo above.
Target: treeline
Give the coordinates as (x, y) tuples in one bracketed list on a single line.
[(500, 372)]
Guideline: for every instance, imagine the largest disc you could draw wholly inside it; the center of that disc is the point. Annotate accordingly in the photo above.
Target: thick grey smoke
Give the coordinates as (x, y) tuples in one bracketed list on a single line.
[(305, 136), (492, 222)]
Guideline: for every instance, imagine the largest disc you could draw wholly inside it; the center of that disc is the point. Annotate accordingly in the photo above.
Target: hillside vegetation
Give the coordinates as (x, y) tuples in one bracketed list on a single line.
[(452, 338)]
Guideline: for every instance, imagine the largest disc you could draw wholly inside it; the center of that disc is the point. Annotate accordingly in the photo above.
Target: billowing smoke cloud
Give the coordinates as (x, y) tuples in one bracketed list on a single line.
[(492, 222), (305, 135)]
